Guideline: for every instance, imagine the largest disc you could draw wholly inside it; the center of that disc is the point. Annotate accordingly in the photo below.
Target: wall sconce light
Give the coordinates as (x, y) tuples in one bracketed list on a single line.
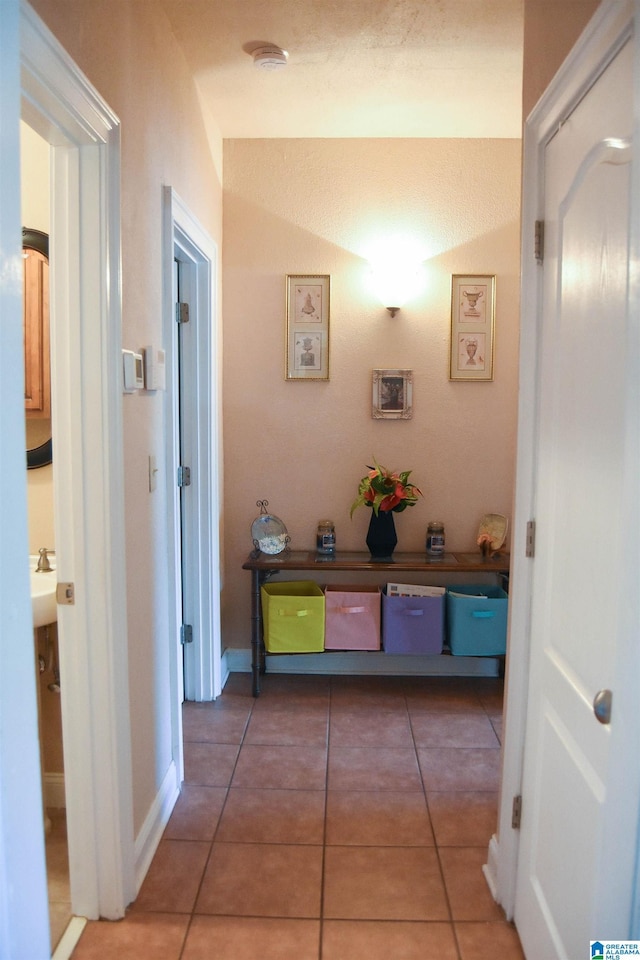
[(395, 282)]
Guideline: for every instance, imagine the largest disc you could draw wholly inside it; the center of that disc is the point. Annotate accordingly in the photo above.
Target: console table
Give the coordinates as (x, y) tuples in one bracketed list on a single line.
[(263, 567)]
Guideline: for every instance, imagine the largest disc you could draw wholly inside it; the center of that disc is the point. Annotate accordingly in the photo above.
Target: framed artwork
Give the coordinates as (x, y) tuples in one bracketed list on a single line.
[(392, 395), (307, 337), (472, 326)]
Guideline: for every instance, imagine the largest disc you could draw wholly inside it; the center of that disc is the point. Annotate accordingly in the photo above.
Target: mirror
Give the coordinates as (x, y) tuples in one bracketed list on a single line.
[(35, 250)]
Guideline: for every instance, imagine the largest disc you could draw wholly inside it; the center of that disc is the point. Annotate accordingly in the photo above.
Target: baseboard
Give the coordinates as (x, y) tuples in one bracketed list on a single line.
[(53, 789), (490, 868), (156, 820), (225, 670), (365, 663), (69, 940)]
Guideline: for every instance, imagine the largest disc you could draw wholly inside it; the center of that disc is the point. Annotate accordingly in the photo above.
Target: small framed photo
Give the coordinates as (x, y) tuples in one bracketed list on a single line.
[(307, 335), (392, 395), (472, 326)]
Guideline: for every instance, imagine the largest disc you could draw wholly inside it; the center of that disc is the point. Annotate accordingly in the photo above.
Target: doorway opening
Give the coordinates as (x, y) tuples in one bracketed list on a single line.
[(60, 105), (194, 442)]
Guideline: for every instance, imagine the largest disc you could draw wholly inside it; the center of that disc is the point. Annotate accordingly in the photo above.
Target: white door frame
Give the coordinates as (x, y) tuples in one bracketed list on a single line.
[(63, 107), (611, 25), (186, 240), (24, 926)]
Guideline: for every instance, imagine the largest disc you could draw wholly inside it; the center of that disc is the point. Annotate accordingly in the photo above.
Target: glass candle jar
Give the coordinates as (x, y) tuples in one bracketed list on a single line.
[(435, 539), (326, 537)]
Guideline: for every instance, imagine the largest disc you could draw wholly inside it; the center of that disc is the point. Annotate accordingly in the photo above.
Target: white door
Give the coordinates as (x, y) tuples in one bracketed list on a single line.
[(579, 822)]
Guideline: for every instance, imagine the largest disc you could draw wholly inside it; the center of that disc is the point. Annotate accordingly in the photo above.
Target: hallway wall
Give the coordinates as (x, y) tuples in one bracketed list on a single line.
[(315, 206), (128, 52)]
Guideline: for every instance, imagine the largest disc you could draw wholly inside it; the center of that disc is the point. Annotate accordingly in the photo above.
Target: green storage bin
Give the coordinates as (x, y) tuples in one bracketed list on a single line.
[(293, 616)]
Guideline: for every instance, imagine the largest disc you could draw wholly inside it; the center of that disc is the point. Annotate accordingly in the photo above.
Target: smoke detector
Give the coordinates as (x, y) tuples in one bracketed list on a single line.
[(270, 58)]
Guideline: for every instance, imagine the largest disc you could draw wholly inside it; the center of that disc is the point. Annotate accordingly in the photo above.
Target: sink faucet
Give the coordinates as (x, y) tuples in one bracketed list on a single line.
[(43, 560)]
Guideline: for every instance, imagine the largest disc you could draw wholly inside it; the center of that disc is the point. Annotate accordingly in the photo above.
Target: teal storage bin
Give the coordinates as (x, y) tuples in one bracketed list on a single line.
[(477, 625)]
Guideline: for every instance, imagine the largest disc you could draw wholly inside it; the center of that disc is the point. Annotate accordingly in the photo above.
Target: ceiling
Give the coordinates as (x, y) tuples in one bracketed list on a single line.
[(357, 68)]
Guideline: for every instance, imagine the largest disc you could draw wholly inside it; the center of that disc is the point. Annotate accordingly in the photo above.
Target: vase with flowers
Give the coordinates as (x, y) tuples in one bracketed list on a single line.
[(386, 492)]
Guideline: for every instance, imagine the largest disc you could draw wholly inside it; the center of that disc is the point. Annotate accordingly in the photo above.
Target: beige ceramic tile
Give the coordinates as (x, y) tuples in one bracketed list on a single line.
[(281, 767), (273, 816), (209, 764), (397, 940), (196, 813), (366, 727), (171, 885), (442, 695), (383, 883), (455, 768), (368, 768), (248, 938), (453, 730), (262, 880), (214, 722), (463, 819), (499, 939), (140, 936), (288, 725), (277, 690), (378, 818), (467, 889)]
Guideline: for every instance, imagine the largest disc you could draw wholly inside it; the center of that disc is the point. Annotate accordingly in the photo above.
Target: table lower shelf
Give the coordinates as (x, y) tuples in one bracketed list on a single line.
[(369, 663)]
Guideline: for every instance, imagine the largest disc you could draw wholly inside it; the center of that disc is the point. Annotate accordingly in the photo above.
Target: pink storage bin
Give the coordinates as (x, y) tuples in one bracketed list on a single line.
[(352, 618)]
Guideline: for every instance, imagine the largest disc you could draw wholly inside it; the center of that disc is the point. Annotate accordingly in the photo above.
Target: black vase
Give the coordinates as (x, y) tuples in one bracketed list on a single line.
[(381, 536)]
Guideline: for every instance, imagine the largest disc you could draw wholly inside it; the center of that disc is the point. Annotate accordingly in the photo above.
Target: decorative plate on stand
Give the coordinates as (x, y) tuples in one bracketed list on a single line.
[(268, 532), (495, 526)]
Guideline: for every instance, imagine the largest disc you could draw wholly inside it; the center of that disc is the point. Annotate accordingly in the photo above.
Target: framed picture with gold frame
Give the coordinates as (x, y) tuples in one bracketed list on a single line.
[(472, 326), (392, 395), (307, 335)]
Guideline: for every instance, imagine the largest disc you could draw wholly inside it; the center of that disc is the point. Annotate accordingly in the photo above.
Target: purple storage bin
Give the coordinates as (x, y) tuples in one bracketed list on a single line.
[(412, 624)]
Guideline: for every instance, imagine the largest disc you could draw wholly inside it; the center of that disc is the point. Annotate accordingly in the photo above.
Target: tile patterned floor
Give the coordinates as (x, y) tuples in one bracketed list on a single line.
[(343, 818)]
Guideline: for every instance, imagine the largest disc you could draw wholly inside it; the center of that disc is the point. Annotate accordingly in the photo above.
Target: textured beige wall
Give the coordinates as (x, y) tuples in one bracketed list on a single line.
[(128, 52), (551, 27), (312, 206)]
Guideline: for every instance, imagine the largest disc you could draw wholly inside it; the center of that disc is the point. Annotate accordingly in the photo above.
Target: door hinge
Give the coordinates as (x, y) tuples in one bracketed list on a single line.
[(184, 476), (516, 812), (186, 633), (66, 593), (530, 550), (538, 241), (182, 313)]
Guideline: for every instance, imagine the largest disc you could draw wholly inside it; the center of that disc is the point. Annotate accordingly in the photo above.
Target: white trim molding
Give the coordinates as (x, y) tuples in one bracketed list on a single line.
[(60, 104), (156, 820)]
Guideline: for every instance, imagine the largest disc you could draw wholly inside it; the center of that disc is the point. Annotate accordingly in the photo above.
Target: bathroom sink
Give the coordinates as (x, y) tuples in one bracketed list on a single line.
[(43, 595)]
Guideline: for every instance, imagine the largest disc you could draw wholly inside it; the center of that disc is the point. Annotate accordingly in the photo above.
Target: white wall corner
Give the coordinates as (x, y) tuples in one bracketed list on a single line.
[(149, 837), (490, 868)]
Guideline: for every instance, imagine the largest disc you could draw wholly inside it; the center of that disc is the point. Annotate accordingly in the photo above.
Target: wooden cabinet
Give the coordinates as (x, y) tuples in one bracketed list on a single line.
[(37, 389)]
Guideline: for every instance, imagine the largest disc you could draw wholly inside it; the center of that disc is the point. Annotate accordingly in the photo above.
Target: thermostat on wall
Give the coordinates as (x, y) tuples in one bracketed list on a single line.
[(133, 371)]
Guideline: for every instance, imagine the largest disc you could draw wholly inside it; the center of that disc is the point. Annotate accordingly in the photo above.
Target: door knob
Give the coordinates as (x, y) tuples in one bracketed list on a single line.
[(602, 706)]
